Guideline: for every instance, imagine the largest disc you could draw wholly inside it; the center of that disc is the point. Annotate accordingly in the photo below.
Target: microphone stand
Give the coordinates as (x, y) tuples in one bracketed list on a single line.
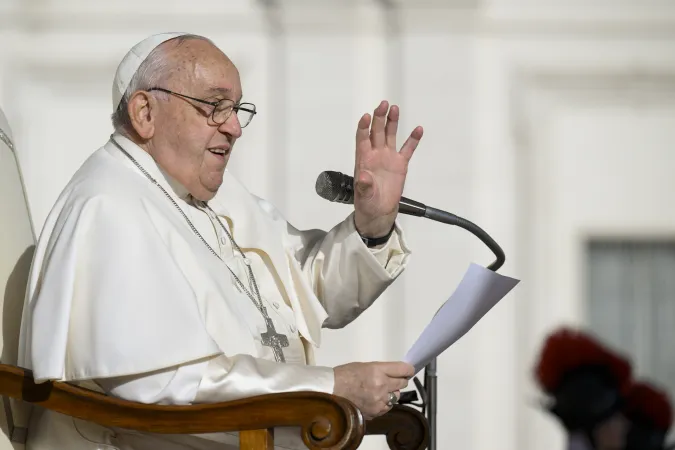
[(338, 187), (429, 391)]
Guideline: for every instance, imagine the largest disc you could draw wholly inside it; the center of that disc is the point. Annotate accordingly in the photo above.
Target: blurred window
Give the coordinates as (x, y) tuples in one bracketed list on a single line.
[(631, 303)]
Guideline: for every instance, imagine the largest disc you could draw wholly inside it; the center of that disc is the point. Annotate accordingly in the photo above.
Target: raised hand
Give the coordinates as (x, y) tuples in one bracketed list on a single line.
[(380, 170)]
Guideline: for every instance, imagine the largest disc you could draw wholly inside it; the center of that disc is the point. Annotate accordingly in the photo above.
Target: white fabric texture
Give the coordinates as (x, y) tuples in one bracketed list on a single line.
[(123, 292), (111, 225)]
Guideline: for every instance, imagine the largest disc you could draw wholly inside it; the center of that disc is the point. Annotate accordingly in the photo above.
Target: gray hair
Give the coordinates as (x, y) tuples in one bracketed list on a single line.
[(152, 72)]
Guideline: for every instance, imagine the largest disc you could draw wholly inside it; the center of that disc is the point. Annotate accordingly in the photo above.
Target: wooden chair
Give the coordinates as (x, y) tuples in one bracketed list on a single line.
[(326, 421)]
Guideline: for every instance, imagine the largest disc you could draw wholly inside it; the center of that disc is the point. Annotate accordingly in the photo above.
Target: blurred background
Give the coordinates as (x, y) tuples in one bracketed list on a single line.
[(549, 123)]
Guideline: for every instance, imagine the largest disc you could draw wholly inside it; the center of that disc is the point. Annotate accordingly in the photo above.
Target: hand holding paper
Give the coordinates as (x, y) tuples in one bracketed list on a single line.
[(477, 293)]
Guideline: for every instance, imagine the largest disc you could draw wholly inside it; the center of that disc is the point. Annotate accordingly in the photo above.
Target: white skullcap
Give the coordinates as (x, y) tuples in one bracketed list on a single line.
[(5, 132), (133, 60)]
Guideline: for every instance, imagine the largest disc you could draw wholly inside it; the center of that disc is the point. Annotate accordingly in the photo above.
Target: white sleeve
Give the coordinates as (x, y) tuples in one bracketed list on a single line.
[(219, 379), (391, 254), (174, 386), (344, 274)]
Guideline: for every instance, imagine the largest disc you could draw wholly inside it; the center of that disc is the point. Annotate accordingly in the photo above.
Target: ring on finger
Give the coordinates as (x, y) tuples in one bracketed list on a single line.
[(392, 399)]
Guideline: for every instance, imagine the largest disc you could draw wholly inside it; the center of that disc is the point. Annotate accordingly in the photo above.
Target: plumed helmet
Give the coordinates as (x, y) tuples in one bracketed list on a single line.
[(584, 380), (650, 414)]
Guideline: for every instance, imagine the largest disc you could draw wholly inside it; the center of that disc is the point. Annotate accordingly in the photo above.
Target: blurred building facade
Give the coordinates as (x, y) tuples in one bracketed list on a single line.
[(549, 123)]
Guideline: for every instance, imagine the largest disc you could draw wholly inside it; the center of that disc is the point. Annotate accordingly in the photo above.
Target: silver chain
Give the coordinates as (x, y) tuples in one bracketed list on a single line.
[(258, 304), (251, 277)]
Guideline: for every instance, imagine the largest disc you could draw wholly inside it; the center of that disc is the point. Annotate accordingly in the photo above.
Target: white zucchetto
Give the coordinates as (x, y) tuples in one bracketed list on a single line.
[(133, 60)]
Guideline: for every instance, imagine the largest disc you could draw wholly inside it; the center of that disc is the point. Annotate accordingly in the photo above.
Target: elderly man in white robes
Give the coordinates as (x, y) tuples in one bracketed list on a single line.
[(159, 278)]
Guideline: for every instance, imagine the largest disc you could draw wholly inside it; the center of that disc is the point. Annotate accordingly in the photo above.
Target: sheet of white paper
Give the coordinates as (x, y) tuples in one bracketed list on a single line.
[(476, 294)]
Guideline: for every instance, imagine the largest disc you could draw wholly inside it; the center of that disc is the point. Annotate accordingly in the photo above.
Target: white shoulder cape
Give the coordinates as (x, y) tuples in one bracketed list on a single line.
[(120, 284)]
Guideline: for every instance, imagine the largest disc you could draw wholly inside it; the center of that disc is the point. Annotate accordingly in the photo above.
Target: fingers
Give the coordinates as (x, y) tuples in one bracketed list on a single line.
[(398, 384), (383, 406), (378, 390), (363, 130), (398, 369), (377, 133), (411, 143), (392, 127), (395, 385), (378, 407), (380, 131), (397, 394)]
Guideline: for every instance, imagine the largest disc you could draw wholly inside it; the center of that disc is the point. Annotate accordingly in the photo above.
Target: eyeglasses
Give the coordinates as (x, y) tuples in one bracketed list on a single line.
[(222, 109)]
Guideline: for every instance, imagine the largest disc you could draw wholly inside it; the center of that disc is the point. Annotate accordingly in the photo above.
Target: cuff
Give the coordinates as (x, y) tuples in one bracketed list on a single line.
[(324, 378), (243, 376), (394, 254)]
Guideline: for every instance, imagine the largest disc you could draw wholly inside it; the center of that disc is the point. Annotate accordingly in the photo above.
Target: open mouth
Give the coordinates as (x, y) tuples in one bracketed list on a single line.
[(219, 152)]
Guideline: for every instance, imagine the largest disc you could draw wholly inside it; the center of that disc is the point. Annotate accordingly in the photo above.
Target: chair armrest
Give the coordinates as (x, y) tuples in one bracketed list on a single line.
[(406, 428), (327, 421)]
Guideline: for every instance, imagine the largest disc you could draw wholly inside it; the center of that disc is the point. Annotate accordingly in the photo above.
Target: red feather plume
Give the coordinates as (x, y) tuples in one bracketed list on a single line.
[(647, 402), (567, 349)]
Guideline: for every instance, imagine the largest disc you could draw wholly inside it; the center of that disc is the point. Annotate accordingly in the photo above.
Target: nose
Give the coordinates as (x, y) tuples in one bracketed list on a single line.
[(231, 126)]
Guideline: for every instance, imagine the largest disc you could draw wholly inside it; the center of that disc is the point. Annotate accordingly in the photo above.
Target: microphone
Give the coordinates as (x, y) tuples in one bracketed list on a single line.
[(339, 187)]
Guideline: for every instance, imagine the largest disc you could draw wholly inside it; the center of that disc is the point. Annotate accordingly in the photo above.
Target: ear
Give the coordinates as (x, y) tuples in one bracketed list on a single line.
[(142, 109)]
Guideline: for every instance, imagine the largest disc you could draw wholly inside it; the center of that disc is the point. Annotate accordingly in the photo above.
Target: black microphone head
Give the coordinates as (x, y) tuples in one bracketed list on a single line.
[(335, 187)]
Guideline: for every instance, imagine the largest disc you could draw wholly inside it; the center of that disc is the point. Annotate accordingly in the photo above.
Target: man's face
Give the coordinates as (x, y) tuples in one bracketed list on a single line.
[(186, 143)]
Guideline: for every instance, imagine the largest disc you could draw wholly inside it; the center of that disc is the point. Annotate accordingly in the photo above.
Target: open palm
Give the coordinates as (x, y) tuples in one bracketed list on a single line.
[(380, 170)]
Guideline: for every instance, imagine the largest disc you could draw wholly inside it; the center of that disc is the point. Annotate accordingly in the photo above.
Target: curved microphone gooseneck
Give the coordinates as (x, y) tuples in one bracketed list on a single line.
[(339, 187)]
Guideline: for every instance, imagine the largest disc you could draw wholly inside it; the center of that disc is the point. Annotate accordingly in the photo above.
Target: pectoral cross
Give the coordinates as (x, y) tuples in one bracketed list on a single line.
[(275, 340)]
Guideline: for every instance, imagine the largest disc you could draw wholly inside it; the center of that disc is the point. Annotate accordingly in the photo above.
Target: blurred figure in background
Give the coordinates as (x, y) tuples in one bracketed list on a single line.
[(649, 412), (592, 393), (587, 384)]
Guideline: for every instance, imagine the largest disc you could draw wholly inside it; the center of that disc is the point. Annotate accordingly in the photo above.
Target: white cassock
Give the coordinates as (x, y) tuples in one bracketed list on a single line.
[(125, 297)]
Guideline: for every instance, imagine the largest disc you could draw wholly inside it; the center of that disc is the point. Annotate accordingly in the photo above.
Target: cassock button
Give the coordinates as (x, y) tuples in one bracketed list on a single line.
[(293, 329), (222, 240), (276, 305)]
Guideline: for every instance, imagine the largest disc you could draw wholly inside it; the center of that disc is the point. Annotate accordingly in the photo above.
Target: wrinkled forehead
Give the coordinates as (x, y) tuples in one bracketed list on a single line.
[(203, 69)]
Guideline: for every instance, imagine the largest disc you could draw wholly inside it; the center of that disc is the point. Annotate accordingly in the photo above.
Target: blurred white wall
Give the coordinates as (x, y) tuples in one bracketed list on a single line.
[(546, 122)]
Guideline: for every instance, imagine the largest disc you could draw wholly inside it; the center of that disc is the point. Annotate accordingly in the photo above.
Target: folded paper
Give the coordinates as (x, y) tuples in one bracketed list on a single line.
[(476, 294)]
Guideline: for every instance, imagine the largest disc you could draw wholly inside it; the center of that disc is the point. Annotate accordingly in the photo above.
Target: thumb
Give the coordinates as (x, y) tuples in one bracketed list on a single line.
[(399, 369), (364, 184)]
